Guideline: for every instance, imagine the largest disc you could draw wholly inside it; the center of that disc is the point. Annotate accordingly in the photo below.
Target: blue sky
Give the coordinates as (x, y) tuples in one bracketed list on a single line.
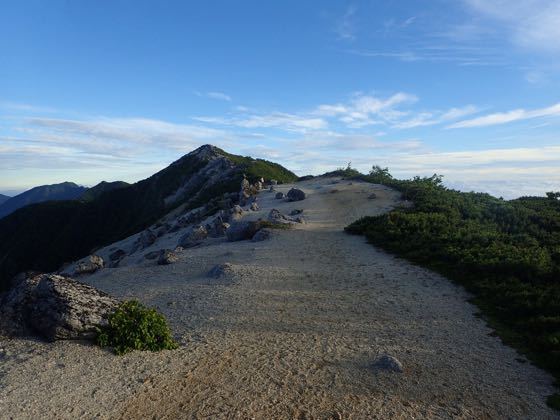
[(107, 90)]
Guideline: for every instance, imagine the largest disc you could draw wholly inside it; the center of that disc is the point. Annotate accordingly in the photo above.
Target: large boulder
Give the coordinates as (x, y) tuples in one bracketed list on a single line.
[(194, 237), (295, 194), (55, 308), (240, 231), (90, 265)]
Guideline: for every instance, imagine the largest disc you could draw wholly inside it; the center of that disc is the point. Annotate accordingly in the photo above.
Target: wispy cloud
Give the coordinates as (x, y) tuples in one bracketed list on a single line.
[(531, 24), (220, 96), (363, 110), (345, 27), (279, 120), (508, 117)]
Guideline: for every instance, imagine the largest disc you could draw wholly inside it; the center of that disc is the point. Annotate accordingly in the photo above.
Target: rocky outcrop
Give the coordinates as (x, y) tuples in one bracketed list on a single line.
[(241, 231), (295, 194), (90, 265), (276, 217), (54, 307)]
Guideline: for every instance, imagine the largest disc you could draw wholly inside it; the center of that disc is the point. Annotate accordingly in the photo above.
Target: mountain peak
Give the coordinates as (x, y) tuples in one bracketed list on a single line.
[(206, 151)]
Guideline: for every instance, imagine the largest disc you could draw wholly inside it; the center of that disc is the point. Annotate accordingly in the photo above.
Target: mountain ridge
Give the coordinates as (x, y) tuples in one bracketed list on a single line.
[(43, 236)]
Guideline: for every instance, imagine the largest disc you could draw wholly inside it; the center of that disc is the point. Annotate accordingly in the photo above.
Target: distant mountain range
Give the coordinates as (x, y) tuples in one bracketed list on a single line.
[(55, 192), (45, 235), (63, 191)]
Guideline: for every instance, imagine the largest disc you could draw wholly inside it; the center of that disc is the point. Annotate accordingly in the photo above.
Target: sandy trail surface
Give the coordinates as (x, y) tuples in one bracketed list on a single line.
[(292, 333)]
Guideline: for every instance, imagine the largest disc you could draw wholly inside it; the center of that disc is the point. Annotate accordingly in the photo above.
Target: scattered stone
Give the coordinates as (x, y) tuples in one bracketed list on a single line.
[(262, 235), (90, 265), (55, 307), (193, 238), (279, 195), (221, 270), (295, 194), (166, 256), (372, 196), (254, 206), (240, 231), (389, 363)]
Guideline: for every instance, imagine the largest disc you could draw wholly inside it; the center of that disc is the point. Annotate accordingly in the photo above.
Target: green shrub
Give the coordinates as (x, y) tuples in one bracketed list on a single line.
[(506, 253), (135, 327)]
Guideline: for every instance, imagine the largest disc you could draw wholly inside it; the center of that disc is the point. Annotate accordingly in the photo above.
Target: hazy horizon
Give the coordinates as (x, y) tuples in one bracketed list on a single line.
[(467, 89)]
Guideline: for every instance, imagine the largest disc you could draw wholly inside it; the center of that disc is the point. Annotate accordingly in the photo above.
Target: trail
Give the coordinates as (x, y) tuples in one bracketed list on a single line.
[(295, 332)]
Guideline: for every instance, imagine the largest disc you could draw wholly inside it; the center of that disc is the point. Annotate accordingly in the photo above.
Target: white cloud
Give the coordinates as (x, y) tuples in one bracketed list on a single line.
[(363, 110), (507, 117)]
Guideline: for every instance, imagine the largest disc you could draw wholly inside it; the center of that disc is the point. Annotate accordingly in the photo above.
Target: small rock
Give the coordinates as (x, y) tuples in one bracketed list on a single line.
[(389, 363), (221, 270), (279, 195), (295, 194), (254, 206), (262, 235), (273, 182), (372, 196), (90, 265), (166, 256), (295, 212), (146, 238)]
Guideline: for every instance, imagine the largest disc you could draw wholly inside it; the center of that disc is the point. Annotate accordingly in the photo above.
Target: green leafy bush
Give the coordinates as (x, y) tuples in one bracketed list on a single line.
[(135, 327)]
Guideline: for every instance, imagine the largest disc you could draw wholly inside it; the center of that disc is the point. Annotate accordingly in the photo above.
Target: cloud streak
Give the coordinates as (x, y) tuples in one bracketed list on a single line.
[(508, 117)]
